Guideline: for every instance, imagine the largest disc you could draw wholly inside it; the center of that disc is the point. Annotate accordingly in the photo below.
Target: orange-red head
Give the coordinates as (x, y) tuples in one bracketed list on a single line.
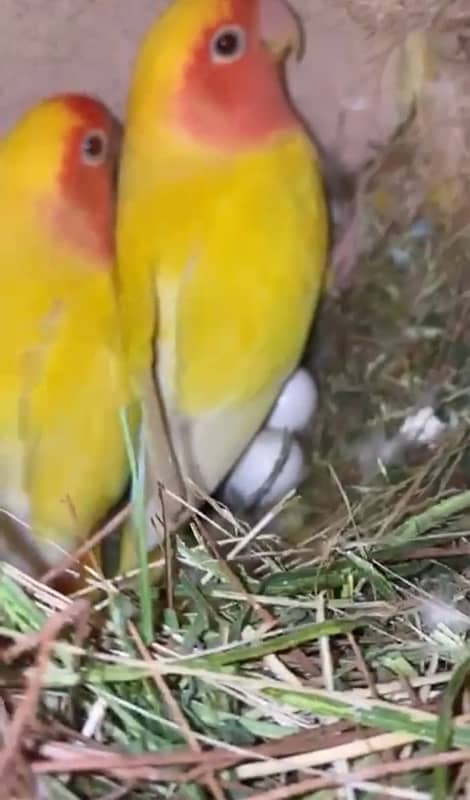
[(209, 69), (61, 157), (89, 167)]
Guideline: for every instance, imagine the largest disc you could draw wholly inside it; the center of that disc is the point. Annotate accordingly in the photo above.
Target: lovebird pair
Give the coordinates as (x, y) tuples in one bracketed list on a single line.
[(189, 305)]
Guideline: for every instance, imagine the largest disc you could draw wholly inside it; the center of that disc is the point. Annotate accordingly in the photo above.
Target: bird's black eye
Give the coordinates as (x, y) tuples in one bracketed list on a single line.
[(94, 148), (228, 44)]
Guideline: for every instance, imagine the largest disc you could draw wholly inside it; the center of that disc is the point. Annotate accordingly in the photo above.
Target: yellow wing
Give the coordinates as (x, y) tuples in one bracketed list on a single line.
[(234, 322), (62, 450)]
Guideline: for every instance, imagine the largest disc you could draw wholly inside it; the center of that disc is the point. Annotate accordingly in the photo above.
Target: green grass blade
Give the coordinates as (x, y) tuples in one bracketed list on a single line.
[(444, 734), (137, 467)]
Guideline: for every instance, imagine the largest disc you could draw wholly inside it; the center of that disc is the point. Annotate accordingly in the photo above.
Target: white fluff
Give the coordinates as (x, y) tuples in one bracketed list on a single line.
[(422, 427), (441, 614), (261, 460), (296, 403)]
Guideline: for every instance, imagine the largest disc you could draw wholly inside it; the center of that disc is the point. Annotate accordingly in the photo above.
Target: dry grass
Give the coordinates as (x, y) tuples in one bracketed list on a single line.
[(375, 15)]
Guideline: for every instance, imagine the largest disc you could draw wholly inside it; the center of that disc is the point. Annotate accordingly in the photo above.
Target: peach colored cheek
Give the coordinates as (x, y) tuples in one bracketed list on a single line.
[(84, 233), (232, 104)]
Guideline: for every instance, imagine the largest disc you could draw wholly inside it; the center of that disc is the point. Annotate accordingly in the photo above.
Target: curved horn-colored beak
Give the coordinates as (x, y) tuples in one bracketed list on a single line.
[(280, 28)]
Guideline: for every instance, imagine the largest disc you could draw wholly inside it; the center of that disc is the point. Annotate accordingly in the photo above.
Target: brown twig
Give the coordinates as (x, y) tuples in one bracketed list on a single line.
[(363, 775), (144, 766), (170, 560), (363, 666), (174, 709), (92, 760), (26, 709), (268, 620), (71, 559)]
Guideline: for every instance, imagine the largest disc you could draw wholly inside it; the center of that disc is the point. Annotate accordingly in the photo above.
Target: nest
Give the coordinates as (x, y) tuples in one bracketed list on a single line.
[(377, 16), (316, 645)]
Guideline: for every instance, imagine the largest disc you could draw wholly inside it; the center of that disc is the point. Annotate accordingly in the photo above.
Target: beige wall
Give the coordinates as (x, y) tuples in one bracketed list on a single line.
[(51, 45)]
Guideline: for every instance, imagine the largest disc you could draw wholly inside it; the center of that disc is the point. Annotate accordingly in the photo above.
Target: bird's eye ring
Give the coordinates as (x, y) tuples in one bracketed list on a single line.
[(228, 44), (94, 148)]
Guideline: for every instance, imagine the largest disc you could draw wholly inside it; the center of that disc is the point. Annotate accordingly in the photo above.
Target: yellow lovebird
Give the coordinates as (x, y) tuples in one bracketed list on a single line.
[(63, 462), (221, 228)]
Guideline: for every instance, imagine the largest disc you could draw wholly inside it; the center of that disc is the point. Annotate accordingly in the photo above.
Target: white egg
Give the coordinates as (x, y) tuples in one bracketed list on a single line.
[(296, 403), (270, 454)]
